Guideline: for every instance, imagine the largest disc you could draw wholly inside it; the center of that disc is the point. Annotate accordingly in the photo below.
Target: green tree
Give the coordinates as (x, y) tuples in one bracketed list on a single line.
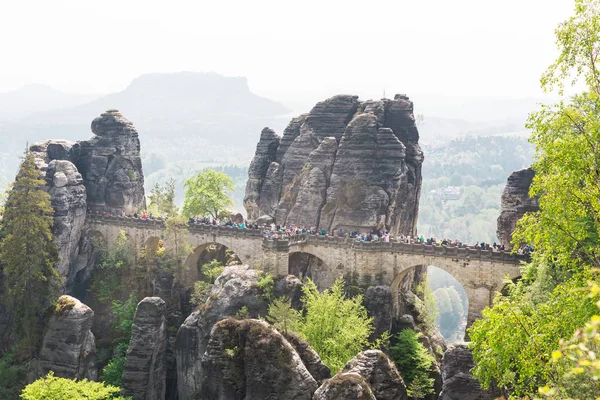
[(177, 240), (209, 272), (513, 342), (114, 262), (162, 199), (29, 254), (282, 315), (336, 327), (206, 193), (567, 138), (122, 313), (51, 387), (414, 363)]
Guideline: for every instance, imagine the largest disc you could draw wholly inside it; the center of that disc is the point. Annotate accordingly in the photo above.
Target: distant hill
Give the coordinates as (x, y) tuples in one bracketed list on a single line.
[(35, 98), (180, 116)]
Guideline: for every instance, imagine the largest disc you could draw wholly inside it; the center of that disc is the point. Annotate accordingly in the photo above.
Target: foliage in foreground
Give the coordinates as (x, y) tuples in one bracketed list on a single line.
[(513, 342), (53, 388), (578, 357), (336, 327), (29, 255), (414, 363), (12, 377)]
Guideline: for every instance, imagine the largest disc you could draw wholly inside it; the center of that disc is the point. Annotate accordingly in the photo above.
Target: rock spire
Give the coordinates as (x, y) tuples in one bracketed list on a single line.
[(346, 164)]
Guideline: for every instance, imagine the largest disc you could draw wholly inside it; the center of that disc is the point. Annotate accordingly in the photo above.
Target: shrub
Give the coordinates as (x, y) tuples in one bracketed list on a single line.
[(336, 327), (414, 363), (282, 315), (51, 387), (266, 286)]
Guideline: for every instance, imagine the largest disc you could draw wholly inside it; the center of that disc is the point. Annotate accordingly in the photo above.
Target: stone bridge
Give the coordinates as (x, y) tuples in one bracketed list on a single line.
[(480, 272)]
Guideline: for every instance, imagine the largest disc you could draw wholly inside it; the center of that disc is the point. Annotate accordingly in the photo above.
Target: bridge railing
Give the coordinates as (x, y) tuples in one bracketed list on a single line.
[(410, 248), (289, 242), (159, 223)]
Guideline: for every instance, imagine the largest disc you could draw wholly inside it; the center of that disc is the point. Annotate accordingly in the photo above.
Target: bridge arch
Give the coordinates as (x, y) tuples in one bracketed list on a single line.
[(308, 265), (152, 245), (203, 254)]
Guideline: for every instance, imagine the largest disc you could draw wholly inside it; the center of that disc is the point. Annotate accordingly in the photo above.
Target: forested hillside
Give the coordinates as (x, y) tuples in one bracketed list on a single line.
[(463, 181)]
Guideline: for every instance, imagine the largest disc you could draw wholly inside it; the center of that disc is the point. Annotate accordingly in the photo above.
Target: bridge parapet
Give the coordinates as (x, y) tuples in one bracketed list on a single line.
[(413, 248), (159, 223)]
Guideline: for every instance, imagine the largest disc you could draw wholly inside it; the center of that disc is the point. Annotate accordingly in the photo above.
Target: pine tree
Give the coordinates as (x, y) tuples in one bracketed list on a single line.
[(28, 254)]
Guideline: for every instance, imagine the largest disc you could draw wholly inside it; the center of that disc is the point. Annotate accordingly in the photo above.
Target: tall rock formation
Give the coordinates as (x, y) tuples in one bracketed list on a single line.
[(515, 203), (347, 164), (347, 386), (144, 373), (236, 287), (69, 347), (111, 166), (250, 360), (380, 372), (103, 173), (458, 381), (67, 196)]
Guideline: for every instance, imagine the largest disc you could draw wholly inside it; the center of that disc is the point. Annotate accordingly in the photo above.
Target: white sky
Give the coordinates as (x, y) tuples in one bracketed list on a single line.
[(448, 47)]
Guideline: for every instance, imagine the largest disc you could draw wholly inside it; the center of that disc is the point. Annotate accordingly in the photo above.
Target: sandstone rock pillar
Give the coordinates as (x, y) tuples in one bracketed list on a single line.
[(69, 347), (144, 374)]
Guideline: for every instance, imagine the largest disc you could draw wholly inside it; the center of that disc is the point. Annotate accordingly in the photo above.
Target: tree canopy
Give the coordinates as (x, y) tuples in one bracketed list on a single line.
[(206, 194), (336, 327), (516, 344), (567, 139), (162, 199), (29, 254)]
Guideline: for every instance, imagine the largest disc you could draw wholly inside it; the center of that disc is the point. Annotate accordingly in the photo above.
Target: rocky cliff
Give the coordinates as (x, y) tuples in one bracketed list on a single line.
[(346, 164), (515, 203), (145, 373), (111, 166), (69, 347), (458, 381), (103, 173)]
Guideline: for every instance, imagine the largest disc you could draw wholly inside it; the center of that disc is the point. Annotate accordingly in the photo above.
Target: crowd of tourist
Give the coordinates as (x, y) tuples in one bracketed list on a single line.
[(292, 232), (300, 233)]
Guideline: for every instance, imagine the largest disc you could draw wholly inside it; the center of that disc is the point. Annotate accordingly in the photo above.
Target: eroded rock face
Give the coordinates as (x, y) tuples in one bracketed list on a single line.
[(111, 166), (235, 288), (379, 371), (104, 172), (249, 360), (515, 203), (68, 198), (145, 373), (379, 304), (347, 386), (311, 360), (291, 287), (69, 347), (346, 164), (458, 382)]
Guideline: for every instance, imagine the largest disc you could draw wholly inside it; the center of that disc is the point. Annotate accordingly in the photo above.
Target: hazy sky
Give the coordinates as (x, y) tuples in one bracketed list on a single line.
[(451, 47)]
